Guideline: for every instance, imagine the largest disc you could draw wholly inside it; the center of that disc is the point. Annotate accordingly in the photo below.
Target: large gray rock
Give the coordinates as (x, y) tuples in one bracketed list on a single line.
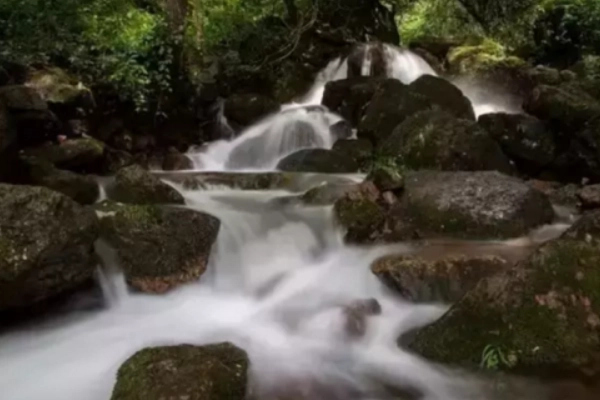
[(214, 372), (46, 245), (78, 155), (439, 141), (540, 318), (350, 97), (160, 248), (444, 95), (135, 185), (469, 205), (318, 160)]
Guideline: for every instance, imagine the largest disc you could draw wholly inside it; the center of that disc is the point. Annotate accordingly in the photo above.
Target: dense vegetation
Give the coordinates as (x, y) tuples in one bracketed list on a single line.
[(143, 46)]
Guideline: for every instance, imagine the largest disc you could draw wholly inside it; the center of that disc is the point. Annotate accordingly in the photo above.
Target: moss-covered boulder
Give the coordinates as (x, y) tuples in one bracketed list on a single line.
[(541, 318), (327, 193), (425, 280), (243, 110), (176, 161), (440, 141), (77, 155), (392, 103), (360, 214), (469, 205), (386, 177), (566, 107), (589, 196), (444, 95), (82, 188), (523, 138), (359, 150), (135, 185), (213, 372), (318, 160), (350, 97), (46, 245), (22, 98), (160, 248)]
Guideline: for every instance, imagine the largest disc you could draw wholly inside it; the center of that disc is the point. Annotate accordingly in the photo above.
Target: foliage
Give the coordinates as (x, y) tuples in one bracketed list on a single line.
[(493, 358), (100, 40)]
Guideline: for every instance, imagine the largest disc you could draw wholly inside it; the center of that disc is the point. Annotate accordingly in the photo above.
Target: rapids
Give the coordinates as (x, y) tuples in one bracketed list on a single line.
[(277, 282)]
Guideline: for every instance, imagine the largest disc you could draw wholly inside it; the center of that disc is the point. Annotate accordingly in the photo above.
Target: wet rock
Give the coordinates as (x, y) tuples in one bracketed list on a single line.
[(350, 97), (115, 160), (359, 150), (523, 138), (176, 161), (326, 194), (558, 193), (437, 140), (391, 105), (444, 95), (469, 205), (541, 317), (361, 214), (566, 107), (22, 98), (341, 130), (135, 185), (356, 315), (160, 248), (82, 188), (46, 245), (386, 177), (589, 196), (318, 160), (77, 155), (213, 372), (445, 280), (243, 110)]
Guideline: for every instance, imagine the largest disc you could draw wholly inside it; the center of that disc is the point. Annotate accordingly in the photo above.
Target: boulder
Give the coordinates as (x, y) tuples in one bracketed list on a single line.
[(350, 97), (440, 141), (176, 161), (469, 205), (22, 98), (358, 150), (318, 160), (46, 245), (326, 194), (581, 159), (213, 372), (558, 193), (360, 213), (566, 107), (341, 130), (243, 110), (541, 318), (82, 188), (392, 103), (523, 138), (589, 196), (115, 160), (386, 177), (135, 185), (77, 155), (160, 248), (444, 95), (440, 280), (37, 127)]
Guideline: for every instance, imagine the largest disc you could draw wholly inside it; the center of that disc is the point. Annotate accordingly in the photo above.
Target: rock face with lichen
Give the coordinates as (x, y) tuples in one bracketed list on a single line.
[(160, 248), (214, 372), (137, 186), (446, 279), (469, 205), (543, 315), (46, 245)]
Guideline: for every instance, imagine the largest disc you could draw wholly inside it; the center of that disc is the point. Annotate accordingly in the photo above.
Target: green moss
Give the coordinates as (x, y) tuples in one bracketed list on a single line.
[(361, 217), (482, 57)]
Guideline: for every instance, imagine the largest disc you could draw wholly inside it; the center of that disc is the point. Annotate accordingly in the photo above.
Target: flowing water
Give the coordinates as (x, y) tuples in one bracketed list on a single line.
[(278, 282)]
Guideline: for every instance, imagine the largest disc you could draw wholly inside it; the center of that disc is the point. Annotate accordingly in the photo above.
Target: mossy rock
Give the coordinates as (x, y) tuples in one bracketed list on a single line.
[(481, 58), (350, 97), (326, 194), (135, 185), (445, 280), (542, 316), (77, 155), (46, 245), (318, 160), (444, 95), (439, 141), (160, 248), (360, 214), (386, 177), (358, 150), (214, 372), (22, 98), (469, 205)]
